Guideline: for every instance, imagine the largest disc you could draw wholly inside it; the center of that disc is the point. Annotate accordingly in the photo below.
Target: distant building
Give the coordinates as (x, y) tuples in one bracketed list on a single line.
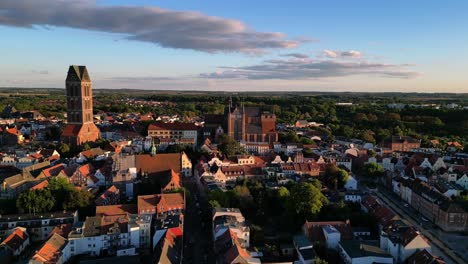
[(80, 128), (402, 143), (177, 133), (250, 124)]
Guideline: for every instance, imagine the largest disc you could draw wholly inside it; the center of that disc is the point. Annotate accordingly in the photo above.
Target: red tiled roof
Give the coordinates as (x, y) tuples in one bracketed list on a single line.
[(172, 126), (161, 203), (116, 209), (15, 239), (54, 170), (40, 185), (51, 250), (159, 163)]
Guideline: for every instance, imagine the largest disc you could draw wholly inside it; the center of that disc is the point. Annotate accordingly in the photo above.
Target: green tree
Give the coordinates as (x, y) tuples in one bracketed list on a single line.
[(320, 261), (373, 170), (64, 150), (214, 204), (229, 146), (306, 200), (335, 176)]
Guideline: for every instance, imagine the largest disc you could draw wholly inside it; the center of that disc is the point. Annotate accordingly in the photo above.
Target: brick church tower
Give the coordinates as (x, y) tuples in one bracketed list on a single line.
[(80, 126)]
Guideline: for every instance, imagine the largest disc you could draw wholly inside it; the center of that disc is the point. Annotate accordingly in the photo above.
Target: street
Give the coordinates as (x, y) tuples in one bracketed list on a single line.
[(197, 234), (439, 241)]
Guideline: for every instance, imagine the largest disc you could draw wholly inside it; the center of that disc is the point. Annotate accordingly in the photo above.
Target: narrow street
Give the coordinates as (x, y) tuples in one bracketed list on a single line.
[(197, 234), (439, 247)]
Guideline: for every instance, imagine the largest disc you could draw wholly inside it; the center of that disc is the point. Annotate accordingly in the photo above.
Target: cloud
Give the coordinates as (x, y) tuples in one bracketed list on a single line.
[(341, 54), (167, 28), (311, 69), (296, 55)]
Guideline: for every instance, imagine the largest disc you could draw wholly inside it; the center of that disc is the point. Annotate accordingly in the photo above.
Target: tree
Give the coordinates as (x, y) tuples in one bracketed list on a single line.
[(336, 176), (306, 200), (214, 204), (373, 170), (320, 261), (64, 150), (86, 146), (229, 146), (78, 199)]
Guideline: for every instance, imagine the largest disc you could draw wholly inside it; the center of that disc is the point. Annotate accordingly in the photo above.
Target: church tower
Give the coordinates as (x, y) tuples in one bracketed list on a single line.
[(79, 95)]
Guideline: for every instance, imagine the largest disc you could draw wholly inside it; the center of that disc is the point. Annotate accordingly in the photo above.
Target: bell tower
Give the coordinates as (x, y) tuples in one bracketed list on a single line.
[(80, 126)]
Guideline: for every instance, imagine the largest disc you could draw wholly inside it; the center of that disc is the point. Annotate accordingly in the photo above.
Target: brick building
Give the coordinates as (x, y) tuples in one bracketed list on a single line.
[(80, 126)]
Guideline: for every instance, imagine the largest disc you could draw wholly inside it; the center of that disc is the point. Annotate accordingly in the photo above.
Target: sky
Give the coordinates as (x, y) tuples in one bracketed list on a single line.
[(309, 45)]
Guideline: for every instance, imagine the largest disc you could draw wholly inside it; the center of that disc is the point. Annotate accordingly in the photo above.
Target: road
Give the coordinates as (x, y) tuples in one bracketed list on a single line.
[(439, 247), (197, 233)]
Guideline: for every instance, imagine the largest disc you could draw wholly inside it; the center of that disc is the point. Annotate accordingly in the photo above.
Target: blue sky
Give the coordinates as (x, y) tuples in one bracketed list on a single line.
[(238, 45)]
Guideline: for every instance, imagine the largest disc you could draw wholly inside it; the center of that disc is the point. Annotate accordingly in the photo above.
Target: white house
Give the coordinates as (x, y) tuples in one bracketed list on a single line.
[(401, 241), (17, 241), (104, 233), (363, 252), (332, 236), (351, 184)]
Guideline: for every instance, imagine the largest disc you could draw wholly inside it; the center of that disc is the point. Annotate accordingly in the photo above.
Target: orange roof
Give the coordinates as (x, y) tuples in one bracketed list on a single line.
[(40, 185), (13, 131), (15, 239), (86, 169), (54, 170), (118, 209), (159, 163), (161, 202), (51, 250), (36, 155)]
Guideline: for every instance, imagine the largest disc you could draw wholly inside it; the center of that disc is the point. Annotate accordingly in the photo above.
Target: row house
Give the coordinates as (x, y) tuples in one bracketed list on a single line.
[(402, 241), (56, 249), (16, 242), (110, 197), (111, 235), (38, 226), (143, 221), (161, 204), (439, 209), (432, 204), (181, 133)]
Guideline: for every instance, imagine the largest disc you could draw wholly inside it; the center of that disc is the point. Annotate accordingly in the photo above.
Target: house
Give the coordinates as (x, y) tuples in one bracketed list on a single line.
[(401, 241), (424, 257), (164, 181), (178, 162), (351, 184), (38, 226), (363, 252), (304, 249), (329, 232), (17, 241), (113, 234), (55, 250), (84, 176), (402, 143), (109, 197), (180, 133), (161, 204)]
